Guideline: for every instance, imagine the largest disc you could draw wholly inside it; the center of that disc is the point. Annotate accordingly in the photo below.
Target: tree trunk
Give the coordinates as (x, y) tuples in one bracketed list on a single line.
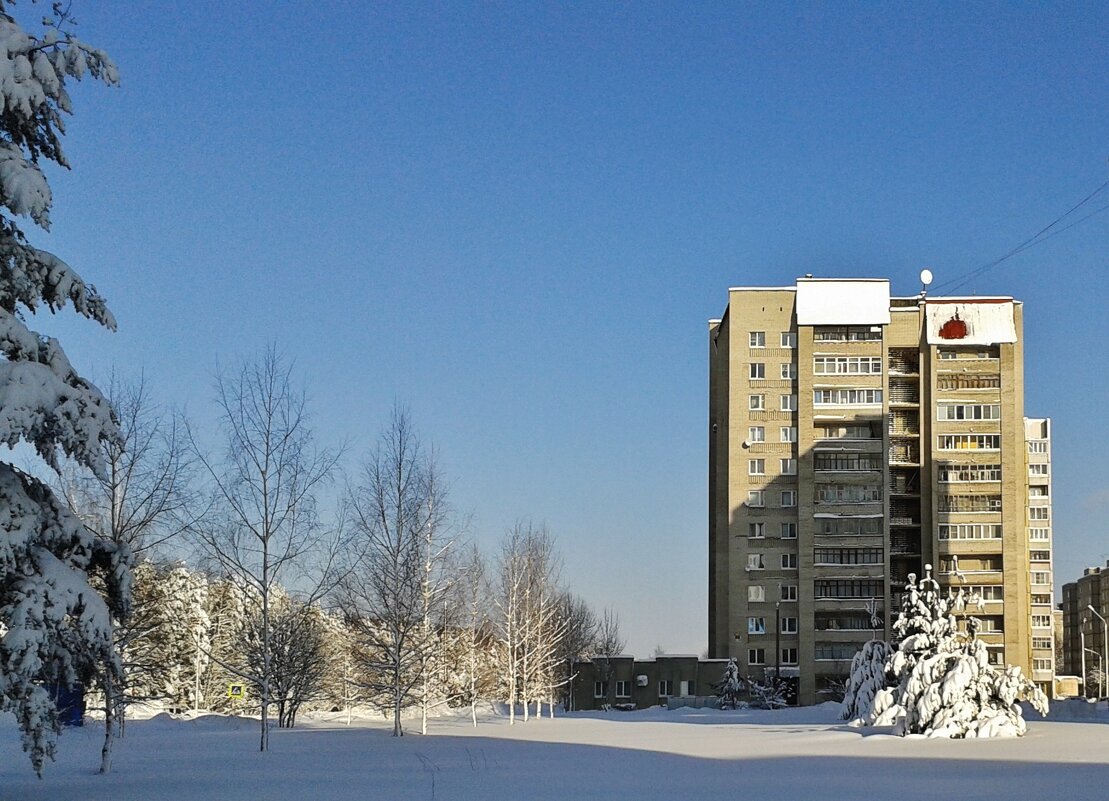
[(109, 704)]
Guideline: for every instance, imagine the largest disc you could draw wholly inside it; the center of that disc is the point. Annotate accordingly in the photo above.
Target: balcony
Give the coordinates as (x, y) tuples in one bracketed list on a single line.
[(904, 393), (905, 453)]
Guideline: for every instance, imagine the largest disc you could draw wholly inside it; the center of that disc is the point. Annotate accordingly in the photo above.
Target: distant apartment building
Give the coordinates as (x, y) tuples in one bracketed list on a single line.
[(855, 438), (1083, 632)]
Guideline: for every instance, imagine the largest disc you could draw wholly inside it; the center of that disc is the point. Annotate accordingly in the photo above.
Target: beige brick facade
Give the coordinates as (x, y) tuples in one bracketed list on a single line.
[(855, 438)]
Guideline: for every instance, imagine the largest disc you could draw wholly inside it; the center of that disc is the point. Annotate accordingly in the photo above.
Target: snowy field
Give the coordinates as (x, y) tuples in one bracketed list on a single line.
[(794, 754)]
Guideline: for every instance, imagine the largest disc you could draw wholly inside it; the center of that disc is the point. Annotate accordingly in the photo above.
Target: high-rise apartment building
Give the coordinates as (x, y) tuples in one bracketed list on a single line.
[(1084, 643), (854, 439)]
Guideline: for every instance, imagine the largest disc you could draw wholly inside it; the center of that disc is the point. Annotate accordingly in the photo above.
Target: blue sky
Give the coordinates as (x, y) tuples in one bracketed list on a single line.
[(518, 219)]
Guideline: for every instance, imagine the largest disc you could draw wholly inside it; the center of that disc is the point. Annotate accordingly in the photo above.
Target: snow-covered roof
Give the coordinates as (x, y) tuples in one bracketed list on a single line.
[(843, 301), (970, 321)]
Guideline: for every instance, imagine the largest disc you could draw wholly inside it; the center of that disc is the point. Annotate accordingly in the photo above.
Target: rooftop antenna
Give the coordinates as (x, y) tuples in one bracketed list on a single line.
[(925, 280)]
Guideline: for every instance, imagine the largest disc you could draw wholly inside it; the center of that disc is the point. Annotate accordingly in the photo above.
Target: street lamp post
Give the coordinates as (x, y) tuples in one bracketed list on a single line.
[(1104, 650), (778, 641), (1082, 653)]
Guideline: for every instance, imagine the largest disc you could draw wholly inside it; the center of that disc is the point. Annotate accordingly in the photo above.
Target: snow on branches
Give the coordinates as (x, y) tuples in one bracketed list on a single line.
[(939, 681), (56, 628)]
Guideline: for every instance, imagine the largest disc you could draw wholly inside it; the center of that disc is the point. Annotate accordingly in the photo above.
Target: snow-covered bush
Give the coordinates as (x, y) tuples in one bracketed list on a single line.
[(938, 682), (768, 694), (730, 686), (57, 627)]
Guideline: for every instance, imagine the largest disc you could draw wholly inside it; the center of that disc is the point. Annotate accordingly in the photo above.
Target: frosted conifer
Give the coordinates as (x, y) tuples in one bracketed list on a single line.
[(57, 629)]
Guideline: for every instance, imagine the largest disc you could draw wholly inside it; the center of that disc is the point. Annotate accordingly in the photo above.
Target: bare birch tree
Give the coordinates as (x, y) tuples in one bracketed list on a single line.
[(396, 583), (266, 531), (610, 643), (142, 499)]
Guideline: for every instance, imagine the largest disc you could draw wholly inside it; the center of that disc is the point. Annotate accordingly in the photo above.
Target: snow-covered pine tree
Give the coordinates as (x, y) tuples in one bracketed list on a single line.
[(57, 629), (940, 681), (868, 677), (730, 686)]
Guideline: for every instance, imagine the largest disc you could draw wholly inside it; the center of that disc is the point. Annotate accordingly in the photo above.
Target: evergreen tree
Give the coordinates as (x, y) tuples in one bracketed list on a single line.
[(730, 686), (939, 681), (57, 629)]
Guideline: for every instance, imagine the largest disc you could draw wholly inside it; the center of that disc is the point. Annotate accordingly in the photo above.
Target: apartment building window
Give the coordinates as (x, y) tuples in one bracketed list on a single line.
[(755, 499), (835, 651), (788, 403), (1041, 621), (789, 656), (756, 656), (756, 434), (756, 625), (756, 593), (789, 339), (788, 433), (967, 381), (847, 397), (623, 688), (600, 689), (789, 499), (968, 473), (847, 365), (789, 531), (788, 592), (1037, 513), (789, 561), (1040, 556), (989, 592), (758, 339), (1041, 664), (853, 527), (789, 371), (1042, 643), (756, 531), (846, 462), (758, 370), (970, 531), (665, 688), (1039, 534), (1037, 469), (1037, 446), (969, 353), (756, 467), (991, 624), (789, 625), (788, 467), (1041, 577), (755, 562), (847, 493), (846, 334), (969, 442), (848, 588), (1037, 492), (969, 503), (1041, 598), (840, 431), (847, 556), (756, 403), (968, 411)]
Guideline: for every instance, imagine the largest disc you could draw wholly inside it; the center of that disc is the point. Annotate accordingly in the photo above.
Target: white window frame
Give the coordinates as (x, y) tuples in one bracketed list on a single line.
[(756, 531), (757, 371), (788, 592), (789, 655), (755, 561), (757, 339), (1037, 469), (600, 689), (756, 656), (756, 625), (1037, 513), (789, 625), (623, 688), (756, 499), (756, 467), (788, 466), (788, 403), (788, 339), (789, 499), (756, 593), (756, 403), (789, 371), (789, 561), (787, 434), (788, 531), (665, 688), (756, 433)]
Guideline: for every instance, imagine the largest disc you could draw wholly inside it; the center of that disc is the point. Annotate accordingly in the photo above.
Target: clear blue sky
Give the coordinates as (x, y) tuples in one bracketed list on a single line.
[(518, 219)]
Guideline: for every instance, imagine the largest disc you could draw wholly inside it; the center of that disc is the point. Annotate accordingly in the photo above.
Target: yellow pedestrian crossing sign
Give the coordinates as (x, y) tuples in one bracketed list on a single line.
[(235, 691)]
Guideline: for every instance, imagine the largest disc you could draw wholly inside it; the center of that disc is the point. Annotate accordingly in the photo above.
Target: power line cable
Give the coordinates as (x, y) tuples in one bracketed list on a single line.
[(1040, 236)]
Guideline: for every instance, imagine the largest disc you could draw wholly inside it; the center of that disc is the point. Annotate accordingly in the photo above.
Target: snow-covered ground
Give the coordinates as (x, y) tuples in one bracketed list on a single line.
[(794, 754)]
